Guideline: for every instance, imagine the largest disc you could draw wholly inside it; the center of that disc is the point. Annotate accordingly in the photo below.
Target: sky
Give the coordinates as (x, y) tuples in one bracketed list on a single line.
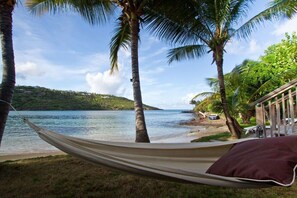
[(63, 52)]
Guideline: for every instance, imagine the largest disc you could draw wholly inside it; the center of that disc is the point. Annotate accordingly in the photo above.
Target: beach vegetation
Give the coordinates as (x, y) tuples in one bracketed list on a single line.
[(208, 27), (253, 79), (8, 65), (276, 67)]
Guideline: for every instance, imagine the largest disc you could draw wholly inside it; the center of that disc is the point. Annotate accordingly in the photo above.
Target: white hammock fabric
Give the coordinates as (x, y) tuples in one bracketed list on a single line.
[(183, 162)]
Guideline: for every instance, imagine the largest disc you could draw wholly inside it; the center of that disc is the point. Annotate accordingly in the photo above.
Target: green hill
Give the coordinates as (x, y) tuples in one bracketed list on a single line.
[(40, 98)]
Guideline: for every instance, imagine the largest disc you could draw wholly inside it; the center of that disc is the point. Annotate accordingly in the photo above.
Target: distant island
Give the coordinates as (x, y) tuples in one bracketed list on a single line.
[(40, 98)]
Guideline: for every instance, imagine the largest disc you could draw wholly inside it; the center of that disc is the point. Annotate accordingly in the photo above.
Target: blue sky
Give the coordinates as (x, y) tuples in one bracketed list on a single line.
[(64, 52)]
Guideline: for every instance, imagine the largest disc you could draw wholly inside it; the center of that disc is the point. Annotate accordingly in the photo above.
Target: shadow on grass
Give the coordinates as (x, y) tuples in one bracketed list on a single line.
[(64, 176)]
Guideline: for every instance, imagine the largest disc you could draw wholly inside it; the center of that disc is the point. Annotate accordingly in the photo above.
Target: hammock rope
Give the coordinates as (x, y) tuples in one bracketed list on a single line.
[(21, 116)]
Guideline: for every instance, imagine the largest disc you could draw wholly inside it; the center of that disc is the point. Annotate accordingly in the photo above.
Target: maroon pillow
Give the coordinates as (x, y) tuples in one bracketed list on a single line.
[(261, 160)]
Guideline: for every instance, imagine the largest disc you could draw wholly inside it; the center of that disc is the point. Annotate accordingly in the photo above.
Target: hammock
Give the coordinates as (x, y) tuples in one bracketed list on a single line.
[(181, 162)]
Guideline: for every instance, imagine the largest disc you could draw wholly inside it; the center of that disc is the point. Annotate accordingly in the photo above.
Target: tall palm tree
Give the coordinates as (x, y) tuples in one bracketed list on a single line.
[(134, 13), (208, 27), (126, 35), (8, 71)]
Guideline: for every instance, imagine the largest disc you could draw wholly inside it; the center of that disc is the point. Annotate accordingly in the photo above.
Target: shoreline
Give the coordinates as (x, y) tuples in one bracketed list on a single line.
[(211, 127), (200, 128)]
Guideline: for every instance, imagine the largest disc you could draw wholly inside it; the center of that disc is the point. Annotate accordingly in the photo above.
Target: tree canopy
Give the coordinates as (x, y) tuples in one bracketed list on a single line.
[(253, 79)]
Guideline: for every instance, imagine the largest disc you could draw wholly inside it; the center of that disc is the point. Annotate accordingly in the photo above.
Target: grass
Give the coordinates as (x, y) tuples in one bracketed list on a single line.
[(64, 176), (222, 136), (217, 137)]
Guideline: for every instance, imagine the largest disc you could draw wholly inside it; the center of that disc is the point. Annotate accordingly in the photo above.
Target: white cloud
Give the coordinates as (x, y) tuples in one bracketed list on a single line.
[(186, 99), (253, 47), (95, 60), (106, 83), (288, 26), (124, 53), (149, 76), (242, 48), (30, 69), (171, 96), (233, 46)]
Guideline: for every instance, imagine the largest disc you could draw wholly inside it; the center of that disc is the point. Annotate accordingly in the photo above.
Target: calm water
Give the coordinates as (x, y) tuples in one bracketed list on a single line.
[(100, 125)]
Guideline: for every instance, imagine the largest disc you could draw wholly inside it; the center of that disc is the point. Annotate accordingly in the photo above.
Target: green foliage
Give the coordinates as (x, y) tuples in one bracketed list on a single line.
[(277, 66), (39, 98), (121, 38), (95, 12), (252, 122), (217, 137), (253, 79)]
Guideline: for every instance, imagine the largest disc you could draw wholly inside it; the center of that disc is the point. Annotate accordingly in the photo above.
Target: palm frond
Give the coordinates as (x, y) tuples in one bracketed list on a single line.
[(167, 29), (203, 94), (202, 104), (94, 11), (213, 83), (235, 98), (121, 38), (238, 10), (286, 8), (278, 9), (178, 24), (186, 52)]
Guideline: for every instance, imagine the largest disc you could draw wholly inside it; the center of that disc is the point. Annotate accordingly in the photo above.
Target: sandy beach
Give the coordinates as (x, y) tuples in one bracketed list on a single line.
[(211, 127)]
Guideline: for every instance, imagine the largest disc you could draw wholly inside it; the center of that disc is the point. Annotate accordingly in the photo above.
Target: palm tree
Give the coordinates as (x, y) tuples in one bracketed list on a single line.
[(8, 73), (134, 13), (208, 27), (126, 35)]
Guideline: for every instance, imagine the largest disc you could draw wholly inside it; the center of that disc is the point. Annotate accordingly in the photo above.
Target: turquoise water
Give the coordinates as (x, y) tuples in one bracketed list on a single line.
[(100, 125)]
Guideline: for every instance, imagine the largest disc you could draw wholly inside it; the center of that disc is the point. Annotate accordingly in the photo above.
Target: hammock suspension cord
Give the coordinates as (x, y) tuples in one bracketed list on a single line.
[(23, 118)]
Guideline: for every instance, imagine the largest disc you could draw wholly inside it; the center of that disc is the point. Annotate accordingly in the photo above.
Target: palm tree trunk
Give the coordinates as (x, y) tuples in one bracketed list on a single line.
[(232, 123), (8, 75), (141, 131)]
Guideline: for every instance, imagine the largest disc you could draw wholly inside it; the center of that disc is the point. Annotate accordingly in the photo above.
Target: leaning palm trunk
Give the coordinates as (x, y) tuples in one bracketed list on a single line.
[(8, 76), (232, 124), (141, 131)]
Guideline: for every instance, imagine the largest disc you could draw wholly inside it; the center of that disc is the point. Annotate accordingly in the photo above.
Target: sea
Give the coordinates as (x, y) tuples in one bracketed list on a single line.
[(162, 125)]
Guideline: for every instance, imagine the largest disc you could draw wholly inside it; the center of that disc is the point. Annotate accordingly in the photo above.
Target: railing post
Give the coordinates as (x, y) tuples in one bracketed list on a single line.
[(260, 117), (284, 113), (272, 118), (291, 111), (282, 106), (278, 116)]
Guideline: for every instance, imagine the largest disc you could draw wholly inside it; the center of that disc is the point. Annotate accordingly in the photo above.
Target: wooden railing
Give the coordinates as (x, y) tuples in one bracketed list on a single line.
[(278, 108)]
